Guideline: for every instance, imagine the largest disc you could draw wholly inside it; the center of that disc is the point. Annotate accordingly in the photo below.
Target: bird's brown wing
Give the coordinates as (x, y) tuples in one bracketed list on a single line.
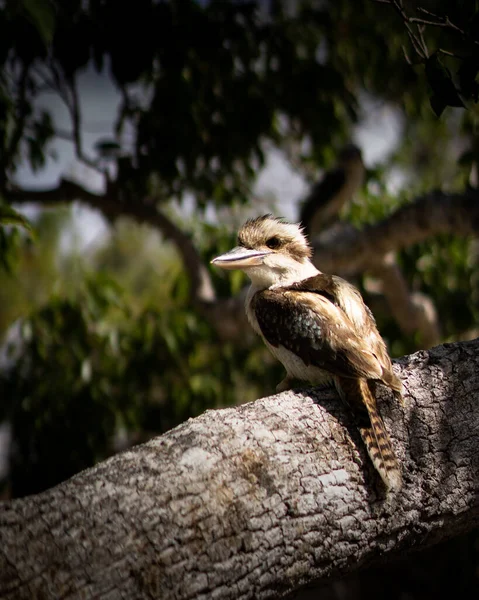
[(346, 297), (342, 294), (311, 326), (322, 284), (316, 330)]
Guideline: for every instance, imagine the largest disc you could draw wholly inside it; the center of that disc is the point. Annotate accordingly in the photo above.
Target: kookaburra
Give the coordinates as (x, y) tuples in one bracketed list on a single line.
[(335, 189), (317, 325)]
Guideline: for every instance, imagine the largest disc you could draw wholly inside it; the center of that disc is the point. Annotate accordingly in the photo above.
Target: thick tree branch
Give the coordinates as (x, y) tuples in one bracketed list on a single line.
[(255, 501)]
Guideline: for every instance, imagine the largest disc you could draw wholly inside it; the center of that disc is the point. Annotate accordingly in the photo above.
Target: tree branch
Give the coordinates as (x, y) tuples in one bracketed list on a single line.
[(434, 20), (413, 312), (440, 21), (351, 251), (111, 206), (258, 500), (417, 40), (356, 250)]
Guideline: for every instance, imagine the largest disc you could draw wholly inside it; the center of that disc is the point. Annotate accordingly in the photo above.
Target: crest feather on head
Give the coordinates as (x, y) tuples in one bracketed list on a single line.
[(276, 233)]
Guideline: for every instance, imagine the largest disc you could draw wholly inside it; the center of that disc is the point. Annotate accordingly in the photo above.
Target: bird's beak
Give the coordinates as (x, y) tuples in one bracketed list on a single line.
[(240, 258)]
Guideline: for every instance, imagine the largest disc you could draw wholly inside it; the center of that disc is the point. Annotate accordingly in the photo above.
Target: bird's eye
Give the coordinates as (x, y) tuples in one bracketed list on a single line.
[(273, 243)]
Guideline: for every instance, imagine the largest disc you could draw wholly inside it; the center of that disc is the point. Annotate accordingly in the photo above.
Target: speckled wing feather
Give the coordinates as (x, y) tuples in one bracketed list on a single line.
[(346, 297), (320, 333)]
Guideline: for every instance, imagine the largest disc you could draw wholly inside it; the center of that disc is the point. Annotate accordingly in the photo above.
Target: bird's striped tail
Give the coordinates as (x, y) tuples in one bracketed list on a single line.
[(358, 394)]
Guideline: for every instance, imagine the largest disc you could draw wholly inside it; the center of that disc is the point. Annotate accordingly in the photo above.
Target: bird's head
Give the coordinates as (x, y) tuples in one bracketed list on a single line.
[(271, 252)]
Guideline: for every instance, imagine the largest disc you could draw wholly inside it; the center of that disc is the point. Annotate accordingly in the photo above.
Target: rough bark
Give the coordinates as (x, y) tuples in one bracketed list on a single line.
[(255, 501)]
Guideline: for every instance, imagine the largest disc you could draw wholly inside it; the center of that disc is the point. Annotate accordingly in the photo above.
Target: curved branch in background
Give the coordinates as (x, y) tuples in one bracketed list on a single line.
[(351, 251), (257, 500), (354, 251), (414, 312), (111, 206)]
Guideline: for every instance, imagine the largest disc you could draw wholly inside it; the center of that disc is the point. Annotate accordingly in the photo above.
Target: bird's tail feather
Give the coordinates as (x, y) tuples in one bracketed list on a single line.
[(359, 396)]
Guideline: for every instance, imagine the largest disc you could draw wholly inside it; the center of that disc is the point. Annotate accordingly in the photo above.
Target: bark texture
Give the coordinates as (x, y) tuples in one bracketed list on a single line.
[(255, 501)]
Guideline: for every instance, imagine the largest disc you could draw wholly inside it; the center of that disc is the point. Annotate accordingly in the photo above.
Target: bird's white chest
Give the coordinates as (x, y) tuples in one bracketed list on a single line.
[(296, 367), (293, 364)]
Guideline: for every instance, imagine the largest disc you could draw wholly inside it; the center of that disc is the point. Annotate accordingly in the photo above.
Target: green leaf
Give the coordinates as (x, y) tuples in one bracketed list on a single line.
[(42, 15), (9, 216)]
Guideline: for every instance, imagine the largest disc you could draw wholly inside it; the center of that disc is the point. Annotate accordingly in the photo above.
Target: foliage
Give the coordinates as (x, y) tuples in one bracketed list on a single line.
[(10, 216), (443, 38), (10, 220), (446, 269), (202, 86)]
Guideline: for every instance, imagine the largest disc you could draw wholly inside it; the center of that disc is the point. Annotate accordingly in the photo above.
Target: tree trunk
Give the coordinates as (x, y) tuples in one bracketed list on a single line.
[(258, 500)]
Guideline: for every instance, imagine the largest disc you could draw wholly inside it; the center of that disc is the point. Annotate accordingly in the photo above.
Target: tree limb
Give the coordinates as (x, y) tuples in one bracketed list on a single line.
[(413, 311), (258, 500), (354, 251), (111, 206)]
